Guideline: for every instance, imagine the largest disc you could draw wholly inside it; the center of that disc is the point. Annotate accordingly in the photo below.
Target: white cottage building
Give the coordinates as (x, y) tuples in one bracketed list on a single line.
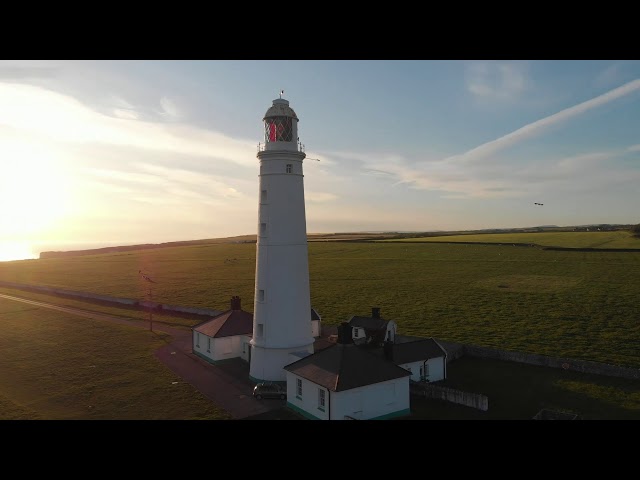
[(372, 330), (224, 336), (346, 381), (424, 358), (228, 335)]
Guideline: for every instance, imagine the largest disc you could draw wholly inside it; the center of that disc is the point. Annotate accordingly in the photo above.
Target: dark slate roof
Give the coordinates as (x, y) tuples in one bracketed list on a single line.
[(314, 314), (227, 324), (414, 351), (368, 323), (343, 367)]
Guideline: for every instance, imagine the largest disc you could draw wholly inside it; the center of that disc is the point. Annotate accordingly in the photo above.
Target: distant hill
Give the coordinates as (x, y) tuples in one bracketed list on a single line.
[(327, 237)]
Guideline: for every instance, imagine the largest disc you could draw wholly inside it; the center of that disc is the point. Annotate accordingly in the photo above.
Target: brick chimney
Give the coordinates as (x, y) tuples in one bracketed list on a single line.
[(375, 312), (235, 303)]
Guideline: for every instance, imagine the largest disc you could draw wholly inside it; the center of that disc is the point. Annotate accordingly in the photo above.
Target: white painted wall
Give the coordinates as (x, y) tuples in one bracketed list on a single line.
[(362, 403), (315, 328), (245, 347), (309, 399), (220, 348), (392, 328), (199, 344), (281, 315), (226, 347), (434, 366), (371, 401)]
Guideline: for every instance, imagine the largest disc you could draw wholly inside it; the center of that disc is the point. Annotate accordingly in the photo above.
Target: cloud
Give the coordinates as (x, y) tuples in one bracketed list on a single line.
[(634, 148), (535, 128), (319, 197), (169, 109), (496, 81), (16, 72), (55, 116), (610, 75)]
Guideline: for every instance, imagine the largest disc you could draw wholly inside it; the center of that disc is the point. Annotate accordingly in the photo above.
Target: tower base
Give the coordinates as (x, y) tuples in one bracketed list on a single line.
[(267, 364)]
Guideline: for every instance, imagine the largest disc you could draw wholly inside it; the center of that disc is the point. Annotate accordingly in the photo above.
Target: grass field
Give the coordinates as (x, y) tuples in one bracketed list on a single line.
[(58, 366), (518, 392), (610, 240), (583, 305)]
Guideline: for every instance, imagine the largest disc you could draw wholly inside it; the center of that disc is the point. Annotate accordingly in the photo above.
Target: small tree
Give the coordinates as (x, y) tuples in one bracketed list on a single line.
[(635, 230)]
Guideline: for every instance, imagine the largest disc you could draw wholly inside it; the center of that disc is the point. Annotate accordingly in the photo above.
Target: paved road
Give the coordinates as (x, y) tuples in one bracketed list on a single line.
[(227, 385)]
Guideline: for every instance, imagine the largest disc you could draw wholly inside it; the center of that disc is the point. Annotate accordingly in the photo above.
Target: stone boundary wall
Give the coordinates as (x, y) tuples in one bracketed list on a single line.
[(113, 300), (585, 366)]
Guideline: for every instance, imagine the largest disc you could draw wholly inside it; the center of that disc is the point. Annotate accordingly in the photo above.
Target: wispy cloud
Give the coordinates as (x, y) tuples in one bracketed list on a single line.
[(496, 81), (609, 76), (62, 118), (320, 197), (15, 72), (535, 128), (169, 109)]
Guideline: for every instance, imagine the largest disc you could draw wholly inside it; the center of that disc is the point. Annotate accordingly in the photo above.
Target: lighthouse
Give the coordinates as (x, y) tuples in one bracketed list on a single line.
[(282, 308)]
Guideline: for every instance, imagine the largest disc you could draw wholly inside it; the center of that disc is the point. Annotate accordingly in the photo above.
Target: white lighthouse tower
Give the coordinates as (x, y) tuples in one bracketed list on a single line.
[(282, 309)]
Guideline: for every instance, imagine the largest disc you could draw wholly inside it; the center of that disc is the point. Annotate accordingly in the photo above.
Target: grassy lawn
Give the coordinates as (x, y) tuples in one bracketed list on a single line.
[(518, 392), (59, 366), (616, 239), (573, 304)]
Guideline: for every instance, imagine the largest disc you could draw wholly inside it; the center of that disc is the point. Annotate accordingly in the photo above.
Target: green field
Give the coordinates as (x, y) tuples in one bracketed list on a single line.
[(58, 366), (610, 240), (518, 392), (583, 305)]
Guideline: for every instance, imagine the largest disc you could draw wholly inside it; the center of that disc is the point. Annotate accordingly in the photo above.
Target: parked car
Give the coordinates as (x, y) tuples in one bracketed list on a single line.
[(269, 390)]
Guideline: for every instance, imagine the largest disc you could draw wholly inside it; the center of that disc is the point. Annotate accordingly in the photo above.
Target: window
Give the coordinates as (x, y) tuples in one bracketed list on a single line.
[(263, 196), (299, 388), (260, 330), (263, 228), (321, 399), (198, 340), (261, 295), (208, 344), (355, 332), (289, 167)]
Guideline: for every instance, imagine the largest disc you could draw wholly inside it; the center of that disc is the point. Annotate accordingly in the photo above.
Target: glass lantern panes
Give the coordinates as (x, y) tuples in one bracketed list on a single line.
[(278, 129)]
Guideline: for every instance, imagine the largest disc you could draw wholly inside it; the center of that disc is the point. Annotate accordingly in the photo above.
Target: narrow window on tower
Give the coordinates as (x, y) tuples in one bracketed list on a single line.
[(299, 388), (198, 340), (209, 344), (263, 229), (263, 196), (261, 295), (289, 167), (260, 330)]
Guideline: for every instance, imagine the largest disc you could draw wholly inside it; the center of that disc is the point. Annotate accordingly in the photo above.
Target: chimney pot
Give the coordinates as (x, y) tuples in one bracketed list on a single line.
[(235, 303)]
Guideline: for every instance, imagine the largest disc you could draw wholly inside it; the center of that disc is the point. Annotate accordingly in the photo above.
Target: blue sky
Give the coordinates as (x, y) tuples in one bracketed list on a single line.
[(99, 153)]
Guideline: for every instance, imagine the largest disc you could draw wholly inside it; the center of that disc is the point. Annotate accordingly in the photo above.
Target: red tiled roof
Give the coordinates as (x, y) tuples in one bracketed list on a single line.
[(227, 324)]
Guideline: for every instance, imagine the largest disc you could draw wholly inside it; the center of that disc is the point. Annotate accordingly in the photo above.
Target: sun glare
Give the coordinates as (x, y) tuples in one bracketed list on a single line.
[(15, 251), (33, 196)]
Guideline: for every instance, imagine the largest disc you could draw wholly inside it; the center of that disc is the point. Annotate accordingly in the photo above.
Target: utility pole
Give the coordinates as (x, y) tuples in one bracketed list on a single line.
[(148, 279)]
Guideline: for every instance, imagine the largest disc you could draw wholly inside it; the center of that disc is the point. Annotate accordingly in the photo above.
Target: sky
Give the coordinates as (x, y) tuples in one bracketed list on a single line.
[(101, 153)]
